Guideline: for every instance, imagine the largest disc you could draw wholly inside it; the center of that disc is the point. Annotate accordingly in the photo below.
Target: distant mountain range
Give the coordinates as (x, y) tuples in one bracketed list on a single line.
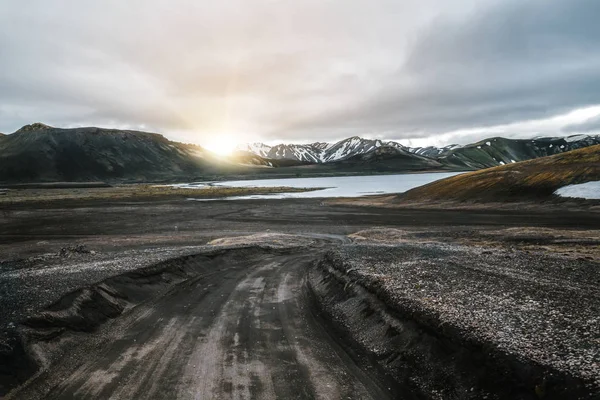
[(484, 154), (41, 153), (318, 152)]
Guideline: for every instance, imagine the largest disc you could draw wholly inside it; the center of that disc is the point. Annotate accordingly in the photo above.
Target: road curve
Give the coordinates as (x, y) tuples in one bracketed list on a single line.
[(246, 331)]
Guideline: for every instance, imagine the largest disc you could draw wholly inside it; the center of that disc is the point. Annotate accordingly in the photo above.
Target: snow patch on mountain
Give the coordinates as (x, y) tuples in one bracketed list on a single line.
[(431, 151)]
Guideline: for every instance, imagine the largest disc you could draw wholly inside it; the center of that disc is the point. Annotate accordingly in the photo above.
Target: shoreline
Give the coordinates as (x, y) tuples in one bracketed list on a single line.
[(135, 192)]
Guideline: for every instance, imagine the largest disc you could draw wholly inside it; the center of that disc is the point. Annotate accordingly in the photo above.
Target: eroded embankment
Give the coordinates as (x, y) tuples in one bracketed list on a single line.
[(42, 339), (435, 357), (83, 310)]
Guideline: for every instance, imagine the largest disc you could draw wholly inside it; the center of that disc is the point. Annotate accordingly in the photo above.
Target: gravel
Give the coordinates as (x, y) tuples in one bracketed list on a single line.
[(538, 307), (32, 284)]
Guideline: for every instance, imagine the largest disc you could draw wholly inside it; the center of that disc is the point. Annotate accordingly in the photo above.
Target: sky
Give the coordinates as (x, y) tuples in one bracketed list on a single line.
[(216, 73)]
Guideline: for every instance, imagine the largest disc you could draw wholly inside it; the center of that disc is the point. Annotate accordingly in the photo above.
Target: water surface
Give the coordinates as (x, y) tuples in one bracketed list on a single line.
[(336, 186)]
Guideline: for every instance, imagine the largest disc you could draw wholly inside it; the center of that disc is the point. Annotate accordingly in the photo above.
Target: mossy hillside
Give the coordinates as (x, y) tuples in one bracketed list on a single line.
[(538, 178)]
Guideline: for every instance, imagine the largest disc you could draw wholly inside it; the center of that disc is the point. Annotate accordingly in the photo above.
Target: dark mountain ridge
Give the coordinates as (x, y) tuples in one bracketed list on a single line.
[(38, 152), (387, 159), (497, 151)]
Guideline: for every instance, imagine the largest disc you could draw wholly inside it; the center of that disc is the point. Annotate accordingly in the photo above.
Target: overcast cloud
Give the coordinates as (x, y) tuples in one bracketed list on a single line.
[(287, 70)]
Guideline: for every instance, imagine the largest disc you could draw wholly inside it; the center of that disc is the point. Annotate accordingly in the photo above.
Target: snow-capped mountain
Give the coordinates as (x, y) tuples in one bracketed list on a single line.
[(260, 149), (297, 152), (300, 152), (486, 153), (351, 147), (318, 152), (432, 151)]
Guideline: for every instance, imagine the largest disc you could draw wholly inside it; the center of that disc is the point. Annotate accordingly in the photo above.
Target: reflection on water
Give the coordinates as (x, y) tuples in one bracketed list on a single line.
[(337, 186)]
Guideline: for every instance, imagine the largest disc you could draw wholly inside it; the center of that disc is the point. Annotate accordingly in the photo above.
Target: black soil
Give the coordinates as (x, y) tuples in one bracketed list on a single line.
[(146, 285)]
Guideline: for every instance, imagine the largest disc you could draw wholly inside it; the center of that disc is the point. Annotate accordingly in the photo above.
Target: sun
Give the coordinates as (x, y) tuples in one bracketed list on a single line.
[(221, 144)]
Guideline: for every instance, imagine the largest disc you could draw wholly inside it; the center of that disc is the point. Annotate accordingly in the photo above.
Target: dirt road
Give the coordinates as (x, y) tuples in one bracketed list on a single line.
[(244, 331)]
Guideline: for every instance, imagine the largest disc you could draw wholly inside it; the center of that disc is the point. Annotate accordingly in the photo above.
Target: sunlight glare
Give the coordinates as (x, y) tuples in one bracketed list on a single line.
[(221, 144)]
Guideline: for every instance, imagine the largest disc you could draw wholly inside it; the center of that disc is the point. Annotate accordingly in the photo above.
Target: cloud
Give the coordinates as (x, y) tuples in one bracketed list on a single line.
[(299, 71), (590, 125), (516, 61)]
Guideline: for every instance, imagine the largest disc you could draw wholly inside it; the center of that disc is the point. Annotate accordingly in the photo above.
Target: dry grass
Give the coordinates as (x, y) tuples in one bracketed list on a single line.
[(533, 179), (135, 192)]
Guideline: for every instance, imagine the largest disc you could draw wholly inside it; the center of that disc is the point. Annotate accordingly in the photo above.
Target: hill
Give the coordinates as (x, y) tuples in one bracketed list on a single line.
[(534, 179), (387, 159), (501, 151), (40, 153)]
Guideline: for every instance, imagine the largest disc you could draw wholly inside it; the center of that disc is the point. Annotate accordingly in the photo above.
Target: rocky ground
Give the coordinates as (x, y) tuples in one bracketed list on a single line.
[(515, 282), (529, 306)]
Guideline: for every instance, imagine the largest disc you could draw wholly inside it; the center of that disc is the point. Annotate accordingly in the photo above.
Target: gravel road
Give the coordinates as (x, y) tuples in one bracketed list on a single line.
[(245, 330)]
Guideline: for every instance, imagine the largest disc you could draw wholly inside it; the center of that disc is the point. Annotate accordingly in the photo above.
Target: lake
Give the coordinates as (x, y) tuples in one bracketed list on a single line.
[(336, 186)]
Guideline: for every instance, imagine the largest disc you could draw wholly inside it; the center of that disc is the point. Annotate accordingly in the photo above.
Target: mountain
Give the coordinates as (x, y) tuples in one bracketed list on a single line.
[(353, 146), (387, 159), (536, 179), (352, 155), (299, 152), (38, 153), (249, 158), (432, 151), (500, 151), (484, 154), (318, 152), (260, 149)]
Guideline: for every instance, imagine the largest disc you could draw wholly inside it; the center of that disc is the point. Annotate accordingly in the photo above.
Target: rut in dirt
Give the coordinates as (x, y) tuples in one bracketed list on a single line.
[(233, 324)]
